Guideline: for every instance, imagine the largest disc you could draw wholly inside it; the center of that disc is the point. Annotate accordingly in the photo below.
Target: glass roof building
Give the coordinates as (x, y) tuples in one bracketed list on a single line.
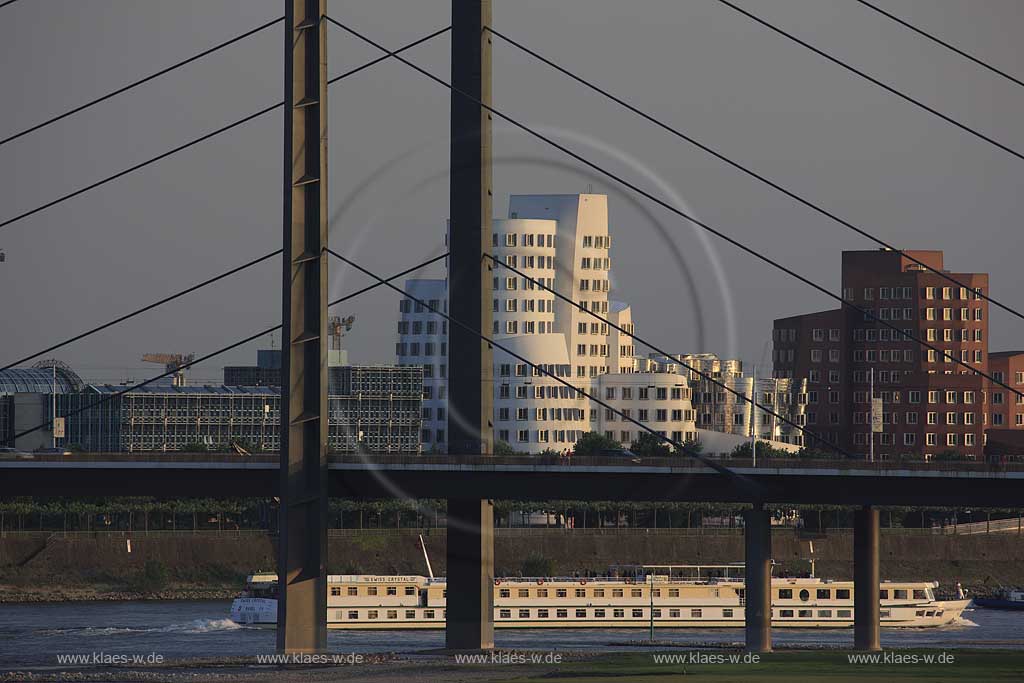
[(38, 381)]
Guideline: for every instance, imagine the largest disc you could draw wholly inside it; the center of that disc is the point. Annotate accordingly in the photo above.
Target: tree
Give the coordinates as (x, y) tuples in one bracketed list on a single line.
[(764, 450), (537, 565), (647, 445), (592, 443), (948, 455), (808, 453), (694, 446), (503, 449), (194, 447)]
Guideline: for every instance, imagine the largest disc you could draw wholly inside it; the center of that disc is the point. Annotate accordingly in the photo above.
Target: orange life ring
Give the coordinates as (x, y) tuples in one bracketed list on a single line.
[(540, 581), (629, 579), (583, 582), (497, 582)]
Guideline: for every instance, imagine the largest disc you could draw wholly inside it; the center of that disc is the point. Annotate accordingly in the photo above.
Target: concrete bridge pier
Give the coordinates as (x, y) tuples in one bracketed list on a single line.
[(758, 581), (470, 588), (866, 580)]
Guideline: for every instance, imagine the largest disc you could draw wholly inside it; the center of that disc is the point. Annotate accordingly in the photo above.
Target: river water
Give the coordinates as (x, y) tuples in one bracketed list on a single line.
[(33, 635)]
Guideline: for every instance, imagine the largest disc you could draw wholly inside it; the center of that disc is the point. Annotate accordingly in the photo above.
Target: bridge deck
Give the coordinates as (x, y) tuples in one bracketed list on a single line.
[(528, 477)]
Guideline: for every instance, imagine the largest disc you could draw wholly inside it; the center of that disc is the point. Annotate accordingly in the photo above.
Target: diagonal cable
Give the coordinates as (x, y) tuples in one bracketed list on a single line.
[(943, 43), (142, 310), (139, 82), (205, 137), (868, 314), (252, 337), (746, 169), (739, 394), (835, 60), (5, 4), (718, 467)]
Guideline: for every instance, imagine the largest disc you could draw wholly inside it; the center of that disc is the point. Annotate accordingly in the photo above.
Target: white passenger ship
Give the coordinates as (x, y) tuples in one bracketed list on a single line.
[(674, 596)]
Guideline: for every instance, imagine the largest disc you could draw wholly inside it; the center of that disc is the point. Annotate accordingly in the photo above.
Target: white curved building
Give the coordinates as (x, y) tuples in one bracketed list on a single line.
[(562, 241)]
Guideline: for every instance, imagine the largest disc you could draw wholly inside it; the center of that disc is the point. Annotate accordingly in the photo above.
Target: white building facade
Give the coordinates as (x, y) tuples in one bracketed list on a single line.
[(564, 242)]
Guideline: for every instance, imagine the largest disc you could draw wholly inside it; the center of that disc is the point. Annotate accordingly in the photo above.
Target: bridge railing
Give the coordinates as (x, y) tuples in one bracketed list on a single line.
[(675, 462)]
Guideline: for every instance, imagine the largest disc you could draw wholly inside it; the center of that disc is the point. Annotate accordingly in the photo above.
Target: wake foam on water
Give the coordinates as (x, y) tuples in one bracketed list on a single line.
[(195, 626)]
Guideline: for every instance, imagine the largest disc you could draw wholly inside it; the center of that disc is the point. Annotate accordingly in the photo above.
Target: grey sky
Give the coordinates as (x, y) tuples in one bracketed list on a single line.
[(870, 157)]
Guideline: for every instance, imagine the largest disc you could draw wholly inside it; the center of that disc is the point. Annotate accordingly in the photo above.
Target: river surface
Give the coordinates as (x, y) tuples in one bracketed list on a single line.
[(32, 635)]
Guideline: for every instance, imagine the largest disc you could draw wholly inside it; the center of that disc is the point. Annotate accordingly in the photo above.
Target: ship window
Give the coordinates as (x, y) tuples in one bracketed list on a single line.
[(805, 595), (542, 614), (336, 590), (883, 594), (919, 594), (805, 613), (656, 613), (561, 593), (673, 592), (392, 590), (523, 592), (900, 594), (599, 614), (410, 614), (371, 590), (786, 613), (673, 614), (824, 594), (581, 592), (352, 590), (372, 614), (410, 590), (598, 592), (618, 613), (636, 592), (353, 614), (939, 613), (428, 614), (524, 614), (696, 613), (581, 614), (504, 614), (637, 613), (885, 613), (392, 614), (657, 592), (727, 613), (561, 613), (919, 613), (843, 613), (825, 613), (616, 592), (504, 593), (842, 594), (785, 594), (542, 592)]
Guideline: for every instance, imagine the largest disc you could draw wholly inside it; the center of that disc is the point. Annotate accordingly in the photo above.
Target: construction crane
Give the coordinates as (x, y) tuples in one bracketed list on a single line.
[(172, 362)]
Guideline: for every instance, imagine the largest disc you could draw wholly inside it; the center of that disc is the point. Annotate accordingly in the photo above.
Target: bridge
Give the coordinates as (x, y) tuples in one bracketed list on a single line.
[(774, 481), (304, 474)]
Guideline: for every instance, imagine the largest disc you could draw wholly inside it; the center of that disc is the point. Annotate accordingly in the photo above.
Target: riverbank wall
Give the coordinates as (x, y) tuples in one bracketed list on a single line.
[(35, 564)]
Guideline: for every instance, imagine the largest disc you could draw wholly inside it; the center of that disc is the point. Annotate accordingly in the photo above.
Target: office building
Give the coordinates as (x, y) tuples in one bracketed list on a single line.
[(930, 402)]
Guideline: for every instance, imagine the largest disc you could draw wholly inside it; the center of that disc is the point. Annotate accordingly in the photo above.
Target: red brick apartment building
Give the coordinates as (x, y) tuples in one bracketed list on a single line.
[(930, 403)]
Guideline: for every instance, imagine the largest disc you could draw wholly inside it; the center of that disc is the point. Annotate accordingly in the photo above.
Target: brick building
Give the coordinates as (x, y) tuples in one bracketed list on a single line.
[(931, 403), (1006, 409)]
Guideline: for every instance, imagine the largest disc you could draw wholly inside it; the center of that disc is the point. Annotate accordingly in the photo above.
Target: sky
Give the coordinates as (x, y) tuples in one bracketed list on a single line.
[(864, 154)]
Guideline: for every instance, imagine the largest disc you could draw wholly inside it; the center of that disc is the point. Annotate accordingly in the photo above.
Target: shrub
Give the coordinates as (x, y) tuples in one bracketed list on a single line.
[(154, 577)]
